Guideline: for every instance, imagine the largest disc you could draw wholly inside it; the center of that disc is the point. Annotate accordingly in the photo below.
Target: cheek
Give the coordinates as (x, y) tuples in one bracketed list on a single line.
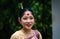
[(23, 22), (33, 21)]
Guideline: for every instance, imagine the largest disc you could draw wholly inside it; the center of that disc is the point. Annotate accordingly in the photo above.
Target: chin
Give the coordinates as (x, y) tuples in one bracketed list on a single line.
[(28, 28)]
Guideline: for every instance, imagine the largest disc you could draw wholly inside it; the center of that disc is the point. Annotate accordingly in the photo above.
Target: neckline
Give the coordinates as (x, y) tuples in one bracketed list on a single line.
[(32, 35)]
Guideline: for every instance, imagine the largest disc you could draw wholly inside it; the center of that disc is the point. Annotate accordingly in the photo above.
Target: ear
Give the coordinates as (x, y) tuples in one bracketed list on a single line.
[(19, 20)]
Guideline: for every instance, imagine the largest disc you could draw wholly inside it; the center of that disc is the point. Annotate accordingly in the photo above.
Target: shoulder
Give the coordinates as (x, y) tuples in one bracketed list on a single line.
[(16, 35), (36, 31), (38, 34)]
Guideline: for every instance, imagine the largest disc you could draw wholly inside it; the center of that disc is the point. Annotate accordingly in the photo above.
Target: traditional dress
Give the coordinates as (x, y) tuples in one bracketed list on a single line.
[(20, 35)]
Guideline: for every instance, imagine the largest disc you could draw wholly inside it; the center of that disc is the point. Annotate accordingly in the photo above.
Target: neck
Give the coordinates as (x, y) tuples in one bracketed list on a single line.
[(26, 30)]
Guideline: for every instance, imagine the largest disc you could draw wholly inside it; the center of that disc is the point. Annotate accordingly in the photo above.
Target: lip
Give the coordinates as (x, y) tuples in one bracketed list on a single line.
[(28, 25)]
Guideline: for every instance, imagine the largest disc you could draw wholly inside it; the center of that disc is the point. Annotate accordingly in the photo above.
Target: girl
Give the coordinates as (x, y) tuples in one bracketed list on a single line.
[(26, 19)]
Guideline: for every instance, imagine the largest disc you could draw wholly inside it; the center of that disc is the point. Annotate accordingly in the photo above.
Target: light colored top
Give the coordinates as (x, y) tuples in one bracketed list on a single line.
[(20, 35)]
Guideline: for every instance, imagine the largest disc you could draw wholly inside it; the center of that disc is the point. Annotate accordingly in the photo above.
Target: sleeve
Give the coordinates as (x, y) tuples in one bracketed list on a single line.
[(40, 36), (14, 37), (17, 36)]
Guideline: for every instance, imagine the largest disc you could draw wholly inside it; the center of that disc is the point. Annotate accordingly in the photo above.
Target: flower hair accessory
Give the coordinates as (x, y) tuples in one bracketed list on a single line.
[(21, 5)]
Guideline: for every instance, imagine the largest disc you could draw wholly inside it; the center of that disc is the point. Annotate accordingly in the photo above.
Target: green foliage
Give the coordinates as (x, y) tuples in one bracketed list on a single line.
[(9, 22)]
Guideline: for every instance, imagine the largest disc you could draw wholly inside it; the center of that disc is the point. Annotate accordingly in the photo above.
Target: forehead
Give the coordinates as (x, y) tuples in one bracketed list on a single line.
[(27, 13)]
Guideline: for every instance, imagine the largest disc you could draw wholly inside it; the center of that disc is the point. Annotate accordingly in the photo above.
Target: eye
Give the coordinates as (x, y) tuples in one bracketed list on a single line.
[(31, 18), (25, 18)]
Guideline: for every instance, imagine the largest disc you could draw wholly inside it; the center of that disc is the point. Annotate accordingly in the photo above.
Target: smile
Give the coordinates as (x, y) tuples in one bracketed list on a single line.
[(28, 25)]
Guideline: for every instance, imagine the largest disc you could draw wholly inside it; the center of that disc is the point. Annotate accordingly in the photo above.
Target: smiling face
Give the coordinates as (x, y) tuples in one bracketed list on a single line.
[(27, 20)]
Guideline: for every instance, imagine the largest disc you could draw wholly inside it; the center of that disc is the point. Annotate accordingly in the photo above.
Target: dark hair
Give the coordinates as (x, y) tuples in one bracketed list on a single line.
[(21, 11)]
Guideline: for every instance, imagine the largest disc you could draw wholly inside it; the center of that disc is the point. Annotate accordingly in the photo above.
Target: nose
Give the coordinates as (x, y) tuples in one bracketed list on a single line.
[(28, 20)]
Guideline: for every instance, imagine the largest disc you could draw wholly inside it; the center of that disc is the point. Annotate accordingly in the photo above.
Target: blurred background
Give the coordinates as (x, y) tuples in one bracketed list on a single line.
[(9, 14)]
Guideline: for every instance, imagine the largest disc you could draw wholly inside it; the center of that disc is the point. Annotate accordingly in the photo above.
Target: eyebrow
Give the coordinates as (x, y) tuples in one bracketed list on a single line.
[(29, 16)]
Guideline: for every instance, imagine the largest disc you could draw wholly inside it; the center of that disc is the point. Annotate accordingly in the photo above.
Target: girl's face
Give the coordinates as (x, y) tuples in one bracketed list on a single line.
[(27, 20)]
